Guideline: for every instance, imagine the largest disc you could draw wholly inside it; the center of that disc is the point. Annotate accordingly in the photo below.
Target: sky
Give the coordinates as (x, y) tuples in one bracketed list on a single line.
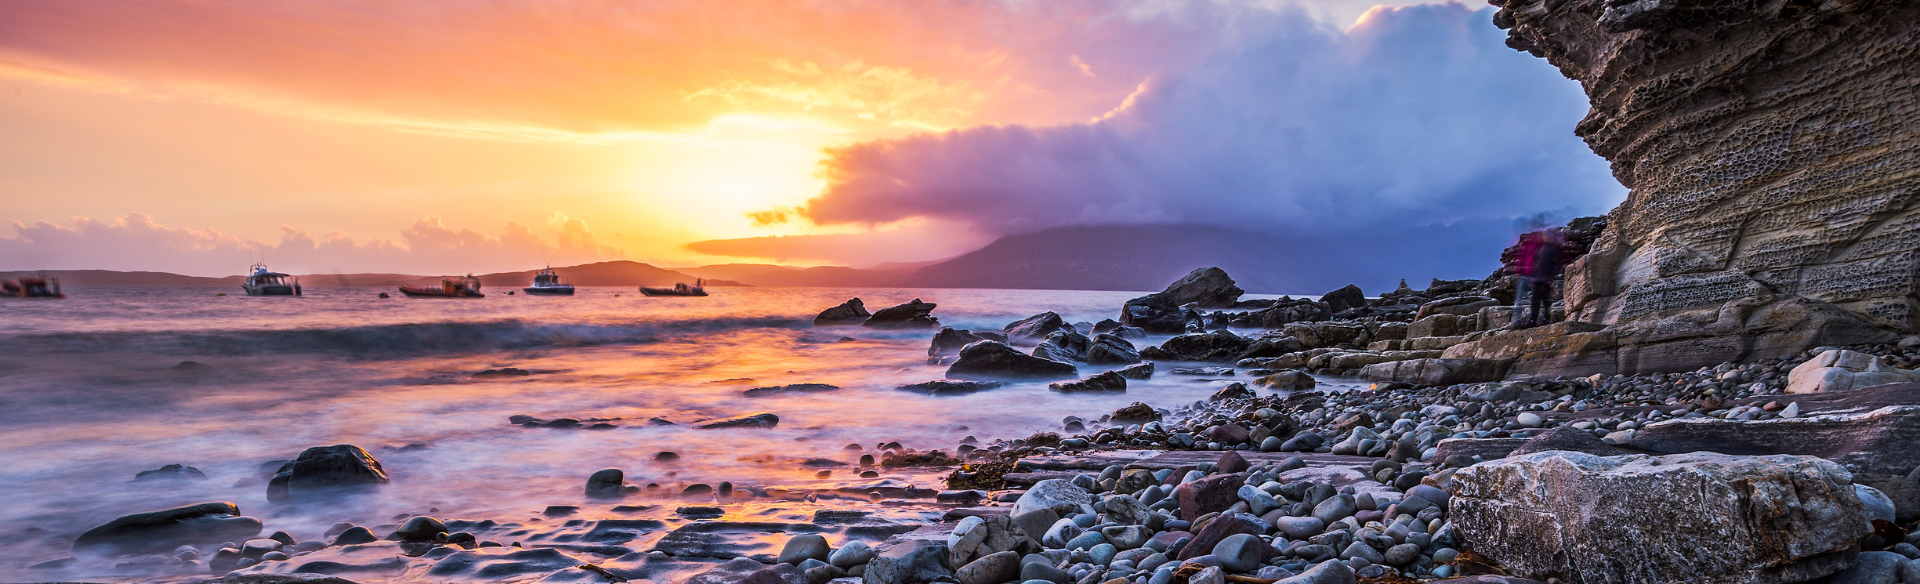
[(198, 136)]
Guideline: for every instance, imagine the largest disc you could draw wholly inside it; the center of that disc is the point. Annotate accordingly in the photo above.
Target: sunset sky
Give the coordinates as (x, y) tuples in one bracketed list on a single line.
[(433, 137)]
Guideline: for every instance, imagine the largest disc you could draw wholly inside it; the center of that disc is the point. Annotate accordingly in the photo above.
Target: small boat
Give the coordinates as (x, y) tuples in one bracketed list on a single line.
[(699, 288), (261, 282), (468, 287), (547, 282), (37, 285)]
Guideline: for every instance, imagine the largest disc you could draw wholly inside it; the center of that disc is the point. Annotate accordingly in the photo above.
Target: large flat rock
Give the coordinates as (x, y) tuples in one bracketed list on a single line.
[(1872, 430)]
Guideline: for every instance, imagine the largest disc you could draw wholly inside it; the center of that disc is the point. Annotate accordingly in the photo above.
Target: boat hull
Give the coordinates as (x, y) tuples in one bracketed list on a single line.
[(273, 290), (548, 290), (671, 292), (412, 292)]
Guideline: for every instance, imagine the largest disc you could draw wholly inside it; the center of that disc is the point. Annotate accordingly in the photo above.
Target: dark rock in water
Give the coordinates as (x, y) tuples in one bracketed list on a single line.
[(1272, 346), (503, 372), (665, 456), (1106, 326), (1286, 381), (848, 313), (951, 387), (421, 528), (1208, 287), (1140, 371), (1108, 382), (726, 539), (763, 420), (740, 570), (949, 341), (192, 366), (1136, 413), (609, 483), (355, 535), (1064, 346), (1166, 311), (1203, 371), (1109, 349), (791, 388), (324, 470), (1130, 332), (1569, 439), (166, 529), (171, 472), (912, 315), (1215, 346), (1235, 390), (658, 421), (298, 578), (466, 566), (1033, 329), (1706, 517), (1345, 298), (1869, 430), (990, 359)]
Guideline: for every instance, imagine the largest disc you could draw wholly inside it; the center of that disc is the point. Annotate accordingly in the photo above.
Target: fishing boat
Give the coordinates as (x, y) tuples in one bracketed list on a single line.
[(549, 283), (468, 287), (37, 285), (262, 282), (699, 288)]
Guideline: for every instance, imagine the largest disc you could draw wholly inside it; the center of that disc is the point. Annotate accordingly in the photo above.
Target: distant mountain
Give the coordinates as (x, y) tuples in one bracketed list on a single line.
[(823, 276), (614, 273), (1148, 257), (112, 278)]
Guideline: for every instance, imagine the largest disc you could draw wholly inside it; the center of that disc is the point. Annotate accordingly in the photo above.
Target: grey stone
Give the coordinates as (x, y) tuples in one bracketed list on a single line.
[(1299, 527), (1126, 509), (909, 562), (851, 312), (1035, 523), (1059, 495), (992, 568), (1401, 555), (1030, 571), (1324, 573), (325, 470), (852, 554), (1334, 509), (1766, 518), (1878, 505), (1866, 430), (995, 360), (606, 483), (803, 547), (1871, 568), (1210, 575), (167, 529), (1360, 549), (1240, 552)]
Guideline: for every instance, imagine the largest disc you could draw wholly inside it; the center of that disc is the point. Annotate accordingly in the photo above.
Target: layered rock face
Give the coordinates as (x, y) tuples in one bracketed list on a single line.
[(1773, 152)]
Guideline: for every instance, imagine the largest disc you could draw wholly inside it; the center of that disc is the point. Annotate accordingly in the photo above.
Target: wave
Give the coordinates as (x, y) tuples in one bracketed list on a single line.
[(383, 340)]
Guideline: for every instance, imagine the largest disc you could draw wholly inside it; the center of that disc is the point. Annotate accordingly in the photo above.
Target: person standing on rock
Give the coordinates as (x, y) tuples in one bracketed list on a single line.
[(1523, 274), (1542, 265)]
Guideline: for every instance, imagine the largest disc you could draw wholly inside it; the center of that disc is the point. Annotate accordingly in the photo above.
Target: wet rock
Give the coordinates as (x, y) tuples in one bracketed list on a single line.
[(1108, 382), (993, 568), (276, 579), (990, 360), (502, 372), (1108, 349), (805, 547), (1207, 495), (951, 387), (326, 470), (1136, 413), (848, 313), (171, 472), (1566, 438), (1871, 568), (909, 562), (1325, 573), (505, 565), (1165, 312), (1235, 390), (1034, 329), (912, 315), (1140, 371), (1220, 529), (1299, 528), (1272, 346), (1866, 430), (1286, 381), (167, 529), (1842, 370), (790, 388), (1214, 346), (355, 535), (852, 554), (727, 539), (1059, 495), (1764, 518), (1346, 298), (1063, 346), (949, 341), (1240, 552), (762, 420)]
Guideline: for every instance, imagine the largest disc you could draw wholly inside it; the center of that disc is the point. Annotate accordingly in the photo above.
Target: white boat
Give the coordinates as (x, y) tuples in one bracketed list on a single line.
[(261, 282), (547, 282)]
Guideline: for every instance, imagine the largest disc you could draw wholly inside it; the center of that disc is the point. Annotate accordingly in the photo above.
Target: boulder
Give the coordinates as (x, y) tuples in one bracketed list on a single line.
[(166, 529), (1876, 441), (608, 483), (1110, 349), (1033, 329), (992, 359), (912, 315), (1135, 413), (1286, 381), (324, 470), (1207, 495), (1437, 371), (1842, 370), (1272, 346), (1568, 439), (1699, 517), (848, 313), (1235, 390), (994, 568), (761, 420), (949, 341), (1137, 371), (1213, 346), (1220, 529), (1208, 287), (1345, 298), (1107, 382), (1059, 495), (951, 387), (171, 472), (1063, 346)]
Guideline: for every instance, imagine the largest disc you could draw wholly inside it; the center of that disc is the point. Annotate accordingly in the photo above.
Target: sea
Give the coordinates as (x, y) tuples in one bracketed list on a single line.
[(97, 388)]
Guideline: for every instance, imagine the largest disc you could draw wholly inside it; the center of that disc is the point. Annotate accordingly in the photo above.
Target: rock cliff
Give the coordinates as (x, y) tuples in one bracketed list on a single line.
[(1772, 149)]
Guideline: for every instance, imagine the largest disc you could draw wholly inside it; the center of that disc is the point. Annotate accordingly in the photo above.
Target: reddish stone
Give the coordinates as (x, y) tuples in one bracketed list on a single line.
[(1220, 528), (1207, 495), (1231, 461), (1229, 434), (1179, 472)]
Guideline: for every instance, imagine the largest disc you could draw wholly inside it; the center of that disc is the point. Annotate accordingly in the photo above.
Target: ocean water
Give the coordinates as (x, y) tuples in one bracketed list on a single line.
[(90, 395)]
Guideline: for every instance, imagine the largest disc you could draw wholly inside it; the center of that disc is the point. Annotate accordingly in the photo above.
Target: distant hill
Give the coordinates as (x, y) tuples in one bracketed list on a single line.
[(1148, 257), (824, 276), (112, 278)]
